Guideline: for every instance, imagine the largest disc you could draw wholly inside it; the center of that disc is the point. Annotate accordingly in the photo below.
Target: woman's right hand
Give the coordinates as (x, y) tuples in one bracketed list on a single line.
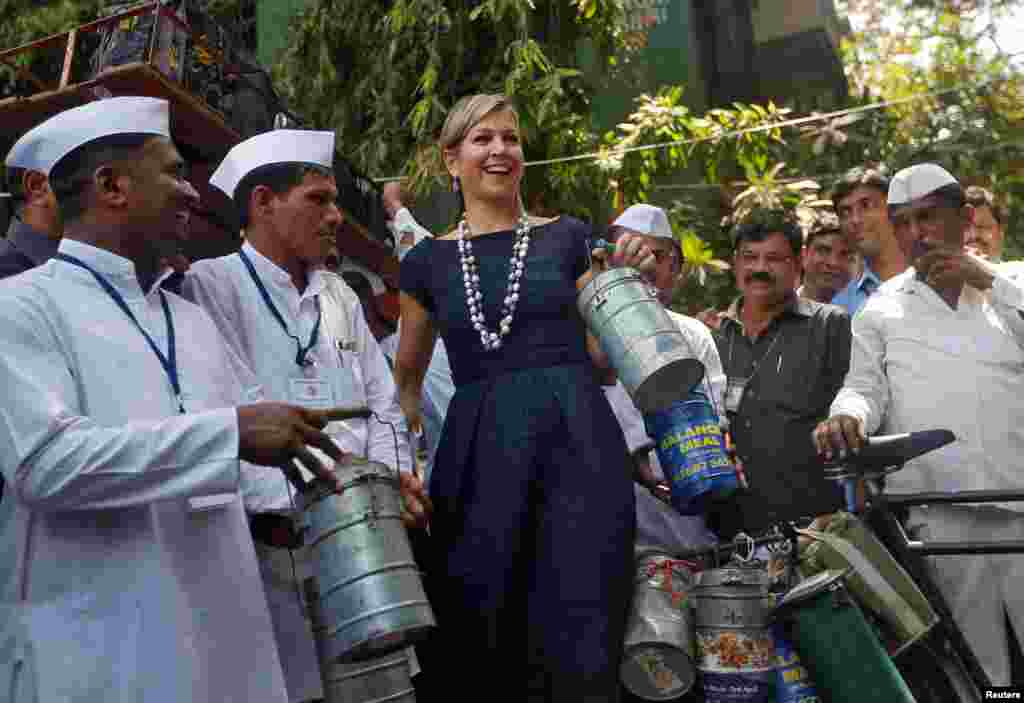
[(410, 404), (632, 250), (598, 260)]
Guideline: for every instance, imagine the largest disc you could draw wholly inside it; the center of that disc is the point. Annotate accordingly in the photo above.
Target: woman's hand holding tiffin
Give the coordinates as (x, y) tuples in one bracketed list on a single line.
[(416, 505), (630, 250)]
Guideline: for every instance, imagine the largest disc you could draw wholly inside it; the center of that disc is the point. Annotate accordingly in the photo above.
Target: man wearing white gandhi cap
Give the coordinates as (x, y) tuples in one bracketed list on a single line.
[(130, 572), (941, 346), (300, 330)]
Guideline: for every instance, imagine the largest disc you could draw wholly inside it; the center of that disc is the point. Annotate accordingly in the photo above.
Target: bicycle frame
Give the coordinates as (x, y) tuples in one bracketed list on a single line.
[(880, 516), (960, 498), (910, 554)]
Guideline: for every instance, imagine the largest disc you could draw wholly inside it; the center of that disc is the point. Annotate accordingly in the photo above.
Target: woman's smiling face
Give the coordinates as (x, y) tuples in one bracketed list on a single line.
[(489, 160)]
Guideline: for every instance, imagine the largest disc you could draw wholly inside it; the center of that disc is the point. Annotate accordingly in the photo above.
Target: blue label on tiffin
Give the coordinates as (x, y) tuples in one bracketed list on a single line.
[(792, 682), (691, 451), (747, 687)]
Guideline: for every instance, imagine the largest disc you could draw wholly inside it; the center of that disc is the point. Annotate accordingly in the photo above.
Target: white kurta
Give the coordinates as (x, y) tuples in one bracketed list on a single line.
[(918, 364), (350, 363), (115, 587), (659, 525)]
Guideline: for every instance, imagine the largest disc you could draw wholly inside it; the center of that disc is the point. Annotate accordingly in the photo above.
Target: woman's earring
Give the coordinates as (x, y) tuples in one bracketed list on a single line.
[(455, 184)]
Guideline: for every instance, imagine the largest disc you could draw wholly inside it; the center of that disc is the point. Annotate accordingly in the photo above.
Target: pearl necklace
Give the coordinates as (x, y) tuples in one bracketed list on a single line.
[(471, 278)]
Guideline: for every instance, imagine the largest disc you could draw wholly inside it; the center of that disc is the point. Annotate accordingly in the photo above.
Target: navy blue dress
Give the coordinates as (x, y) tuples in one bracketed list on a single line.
[(534, 515)]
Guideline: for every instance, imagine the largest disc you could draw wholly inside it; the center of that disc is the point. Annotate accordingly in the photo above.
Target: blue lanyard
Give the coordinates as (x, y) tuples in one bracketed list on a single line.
[(303, 351), (169, 362)]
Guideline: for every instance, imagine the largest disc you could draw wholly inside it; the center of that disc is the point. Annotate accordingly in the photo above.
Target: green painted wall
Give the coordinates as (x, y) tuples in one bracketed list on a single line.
[(272, 20), (664, 60)]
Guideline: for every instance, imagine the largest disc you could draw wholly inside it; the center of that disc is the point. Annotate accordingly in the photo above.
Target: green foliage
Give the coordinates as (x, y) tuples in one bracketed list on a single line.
[(386, 85), (664, 119), (29, 20), (384, 73), (975, 129)]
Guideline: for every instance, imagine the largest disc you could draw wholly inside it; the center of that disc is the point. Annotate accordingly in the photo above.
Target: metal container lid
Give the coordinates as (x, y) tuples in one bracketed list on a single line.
[(606, 280), (732, 576), (618, 272), (357, 467), (810, 587), (657, 672)]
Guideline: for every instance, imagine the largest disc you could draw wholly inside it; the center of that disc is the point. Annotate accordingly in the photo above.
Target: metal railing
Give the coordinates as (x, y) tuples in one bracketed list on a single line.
[(201, 48)]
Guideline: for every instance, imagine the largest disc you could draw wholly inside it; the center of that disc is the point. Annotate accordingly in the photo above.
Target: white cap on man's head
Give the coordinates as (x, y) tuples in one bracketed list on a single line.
[(917, 181), (278, 146), (43, 146), (646, 219)]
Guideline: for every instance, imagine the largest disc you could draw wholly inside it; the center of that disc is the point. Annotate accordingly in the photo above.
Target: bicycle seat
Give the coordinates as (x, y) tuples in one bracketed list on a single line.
[(884, 454)]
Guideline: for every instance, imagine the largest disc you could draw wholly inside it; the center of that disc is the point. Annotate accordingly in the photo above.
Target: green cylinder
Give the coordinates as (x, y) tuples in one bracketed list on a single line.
[(847, 662)]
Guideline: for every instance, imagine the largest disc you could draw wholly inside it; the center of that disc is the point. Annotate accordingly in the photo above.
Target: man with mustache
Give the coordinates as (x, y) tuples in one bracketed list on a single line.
[(784, 359), (942, 346), (859, 200), (300, 331), (827, 260), (987, 228)]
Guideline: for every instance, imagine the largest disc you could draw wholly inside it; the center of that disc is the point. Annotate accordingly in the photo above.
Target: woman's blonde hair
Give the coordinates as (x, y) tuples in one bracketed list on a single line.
[(467, 112)]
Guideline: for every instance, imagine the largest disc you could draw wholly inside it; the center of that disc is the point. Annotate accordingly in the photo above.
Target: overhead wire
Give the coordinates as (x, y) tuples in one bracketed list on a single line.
[(730, 134)]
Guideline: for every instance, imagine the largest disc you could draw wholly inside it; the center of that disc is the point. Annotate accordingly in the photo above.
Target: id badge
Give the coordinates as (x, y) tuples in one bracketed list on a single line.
[(734, 393), (202, 504), (312, 393)]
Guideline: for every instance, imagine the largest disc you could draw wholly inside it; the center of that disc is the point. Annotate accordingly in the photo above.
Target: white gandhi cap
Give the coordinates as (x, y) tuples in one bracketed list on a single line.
[(917, 181), (646, 219), (43, 146), (279, 146)]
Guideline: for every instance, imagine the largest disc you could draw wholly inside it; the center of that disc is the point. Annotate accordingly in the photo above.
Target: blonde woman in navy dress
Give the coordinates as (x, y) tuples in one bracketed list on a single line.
[(534, 517)]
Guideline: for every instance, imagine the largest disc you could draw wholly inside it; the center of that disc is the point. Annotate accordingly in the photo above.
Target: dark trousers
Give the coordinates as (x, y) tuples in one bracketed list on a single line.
[(531, 585)]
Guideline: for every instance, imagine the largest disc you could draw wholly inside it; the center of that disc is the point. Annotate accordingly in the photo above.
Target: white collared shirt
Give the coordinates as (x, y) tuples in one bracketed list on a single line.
[(347, 360), (115, 585), (918, 364), (225, 289)]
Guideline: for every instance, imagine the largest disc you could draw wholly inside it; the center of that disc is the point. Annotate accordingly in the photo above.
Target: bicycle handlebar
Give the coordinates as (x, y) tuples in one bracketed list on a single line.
[(884, 452)]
